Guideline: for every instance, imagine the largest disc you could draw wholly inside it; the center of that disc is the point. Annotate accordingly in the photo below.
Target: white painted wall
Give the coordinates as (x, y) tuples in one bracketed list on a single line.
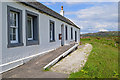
[(0, 35), (69, 34), (16, 53)]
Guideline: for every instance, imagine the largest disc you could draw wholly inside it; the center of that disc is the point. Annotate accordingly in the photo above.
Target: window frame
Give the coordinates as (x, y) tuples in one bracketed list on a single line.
[(35, 17), (66, 32), (53, 22), (19, 41)]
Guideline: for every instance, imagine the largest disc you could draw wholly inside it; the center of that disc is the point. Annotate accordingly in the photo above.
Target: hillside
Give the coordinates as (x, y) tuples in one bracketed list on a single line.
[(101, 34)]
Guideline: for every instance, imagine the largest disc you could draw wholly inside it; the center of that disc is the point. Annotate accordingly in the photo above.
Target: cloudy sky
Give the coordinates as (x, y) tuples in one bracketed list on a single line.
[(89, 16)]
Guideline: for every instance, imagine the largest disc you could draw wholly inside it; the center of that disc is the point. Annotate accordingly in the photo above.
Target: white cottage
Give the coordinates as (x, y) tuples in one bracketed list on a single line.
[(28, 29)]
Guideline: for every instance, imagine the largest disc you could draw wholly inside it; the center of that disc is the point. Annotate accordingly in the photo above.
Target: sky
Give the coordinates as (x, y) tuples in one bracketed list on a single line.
[(91, 17)]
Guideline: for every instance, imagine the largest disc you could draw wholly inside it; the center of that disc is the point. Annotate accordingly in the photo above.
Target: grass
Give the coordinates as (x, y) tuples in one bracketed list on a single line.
[(103, 59), (47, 69)]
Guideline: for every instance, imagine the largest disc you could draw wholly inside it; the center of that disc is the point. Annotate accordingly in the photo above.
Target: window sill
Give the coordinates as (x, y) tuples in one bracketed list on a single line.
[(15, 45), (32, 42), (52, 41)]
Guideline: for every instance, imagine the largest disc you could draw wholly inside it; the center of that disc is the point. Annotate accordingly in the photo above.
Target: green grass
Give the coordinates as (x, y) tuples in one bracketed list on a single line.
[(47, 69), (102, 61)]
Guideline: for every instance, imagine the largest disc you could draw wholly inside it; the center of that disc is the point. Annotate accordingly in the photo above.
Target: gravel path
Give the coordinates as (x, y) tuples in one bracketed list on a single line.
[(73, 62)]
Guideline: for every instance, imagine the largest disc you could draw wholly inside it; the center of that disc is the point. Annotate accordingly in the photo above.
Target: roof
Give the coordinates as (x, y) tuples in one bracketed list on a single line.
[(42, 8)]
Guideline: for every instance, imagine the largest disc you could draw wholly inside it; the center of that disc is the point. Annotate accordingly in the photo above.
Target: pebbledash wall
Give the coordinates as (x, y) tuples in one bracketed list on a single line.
[(15, 56)]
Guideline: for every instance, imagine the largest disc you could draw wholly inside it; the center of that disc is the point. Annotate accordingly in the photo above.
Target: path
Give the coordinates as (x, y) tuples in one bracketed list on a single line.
[(34, 68), (73, 62)]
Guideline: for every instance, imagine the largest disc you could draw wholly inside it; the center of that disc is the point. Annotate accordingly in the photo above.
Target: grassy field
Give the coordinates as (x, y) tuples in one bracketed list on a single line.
[(102, 61)]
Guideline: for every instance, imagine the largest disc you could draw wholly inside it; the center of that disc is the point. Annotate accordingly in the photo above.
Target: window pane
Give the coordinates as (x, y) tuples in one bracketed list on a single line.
[(30, 27), (14, 31), (14, 37), (71, 33), (11, 34), (51, 31), (15, 19), (11, 19), (66, 32)]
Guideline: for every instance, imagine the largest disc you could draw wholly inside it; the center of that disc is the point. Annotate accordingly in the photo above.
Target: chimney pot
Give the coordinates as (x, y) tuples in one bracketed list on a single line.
[(61, 7)]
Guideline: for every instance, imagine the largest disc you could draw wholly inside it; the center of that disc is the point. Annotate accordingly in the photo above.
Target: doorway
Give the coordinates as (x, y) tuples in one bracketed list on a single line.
[(62, 32)]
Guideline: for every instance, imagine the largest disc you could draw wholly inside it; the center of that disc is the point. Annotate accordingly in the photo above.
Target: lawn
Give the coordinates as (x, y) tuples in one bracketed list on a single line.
[(103, 59)]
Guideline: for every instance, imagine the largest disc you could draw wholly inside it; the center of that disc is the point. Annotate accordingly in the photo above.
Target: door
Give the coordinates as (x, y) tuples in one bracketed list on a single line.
[(62, 32), (75, 36)]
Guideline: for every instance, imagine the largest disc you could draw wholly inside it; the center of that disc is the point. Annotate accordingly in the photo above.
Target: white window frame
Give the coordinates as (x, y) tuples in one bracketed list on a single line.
[(31, 27), (16, 27)]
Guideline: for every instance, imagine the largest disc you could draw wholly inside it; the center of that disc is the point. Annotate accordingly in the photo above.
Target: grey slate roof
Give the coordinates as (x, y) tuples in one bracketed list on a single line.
[(42, 8)]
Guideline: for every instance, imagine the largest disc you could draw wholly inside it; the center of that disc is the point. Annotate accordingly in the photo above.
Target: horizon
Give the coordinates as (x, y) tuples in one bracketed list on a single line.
[(101, 31)]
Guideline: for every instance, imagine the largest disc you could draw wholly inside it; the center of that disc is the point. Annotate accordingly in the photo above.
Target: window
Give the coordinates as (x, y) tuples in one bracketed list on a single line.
[(32, 32), (30, 27), (66, 34), (75, 36), (71, 33), (14, 27), (52, 31)]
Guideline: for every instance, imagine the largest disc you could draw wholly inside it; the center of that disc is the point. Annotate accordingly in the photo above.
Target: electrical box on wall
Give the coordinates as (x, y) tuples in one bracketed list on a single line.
[(60, 36)]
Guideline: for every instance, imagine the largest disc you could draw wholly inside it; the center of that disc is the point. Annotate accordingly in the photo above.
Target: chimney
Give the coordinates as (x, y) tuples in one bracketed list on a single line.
[(62, 12)]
